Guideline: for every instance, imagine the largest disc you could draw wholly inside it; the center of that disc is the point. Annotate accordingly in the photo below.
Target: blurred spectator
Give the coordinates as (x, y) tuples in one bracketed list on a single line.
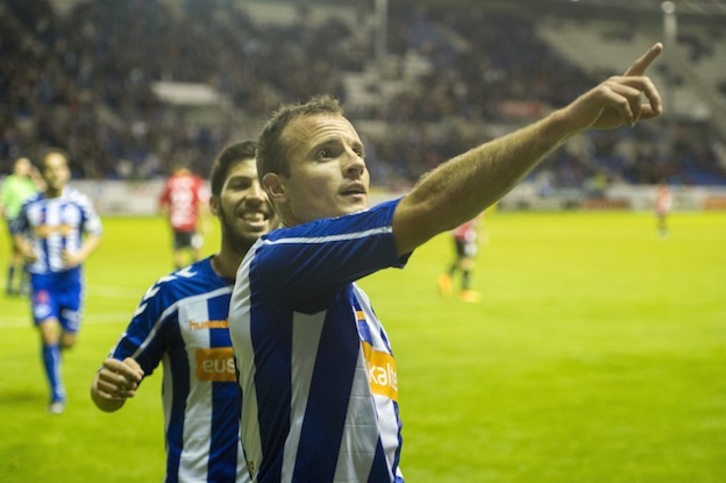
[(85, 82)]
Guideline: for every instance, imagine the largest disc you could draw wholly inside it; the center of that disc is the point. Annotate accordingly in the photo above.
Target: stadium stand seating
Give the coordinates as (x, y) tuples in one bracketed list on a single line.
[(81, 75)]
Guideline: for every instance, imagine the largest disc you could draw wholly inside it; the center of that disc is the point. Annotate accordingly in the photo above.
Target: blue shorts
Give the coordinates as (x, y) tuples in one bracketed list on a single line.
[(57, 295)]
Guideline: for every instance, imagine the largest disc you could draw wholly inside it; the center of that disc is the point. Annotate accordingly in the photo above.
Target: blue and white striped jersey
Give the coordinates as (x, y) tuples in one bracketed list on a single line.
[(55, 225), (318, 377), (182, 323)]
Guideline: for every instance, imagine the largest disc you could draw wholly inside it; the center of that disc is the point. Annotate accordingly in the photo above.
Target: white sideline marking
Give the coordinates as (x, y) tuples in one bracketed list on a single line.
[(93, 319), (115, 292), (101, 291)]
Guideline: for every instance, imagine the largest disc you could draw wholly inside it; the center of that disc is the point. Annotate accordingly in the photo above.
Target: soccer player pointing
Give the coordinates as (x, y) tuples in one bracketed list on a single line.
[(182, 323), (316, 368)]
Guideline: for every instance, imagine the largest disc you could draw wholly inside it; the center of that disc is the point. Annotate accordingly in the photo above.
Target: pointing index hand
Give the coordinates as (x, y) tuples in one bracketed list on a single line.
[(641, 65)]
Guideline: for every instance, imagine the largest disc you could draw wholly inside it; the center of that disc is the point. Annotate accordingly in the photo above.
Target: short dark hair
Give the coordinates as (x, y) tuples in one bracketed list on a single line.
[(46, 153), (271, 153), (229, 156)]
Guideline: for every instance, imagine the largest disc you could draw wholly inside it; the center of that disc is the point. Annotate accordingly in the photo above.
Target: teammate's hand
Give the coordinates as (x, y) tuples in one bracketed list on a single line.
[(118, 380), (71, 259), (26, 250)]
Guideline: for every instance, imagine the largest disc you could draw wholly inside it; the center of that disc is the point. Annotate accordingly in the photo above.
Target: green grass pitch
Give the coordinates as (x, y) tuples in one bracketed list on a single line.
[(597, 354)]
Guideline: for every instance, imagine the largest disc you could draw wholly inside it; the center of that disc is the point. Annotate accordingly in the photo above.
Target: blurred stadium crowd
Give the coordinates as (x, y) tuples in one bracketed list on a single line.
[(84, 81)]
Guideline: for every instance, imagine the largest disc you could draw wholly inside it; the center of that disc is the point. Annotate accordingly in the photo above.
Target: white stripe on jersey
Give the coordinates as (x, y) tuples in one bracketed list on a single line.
[(330, 238), (361, 430), (55, 241), (198, 416), (306, 330), (242, 343)]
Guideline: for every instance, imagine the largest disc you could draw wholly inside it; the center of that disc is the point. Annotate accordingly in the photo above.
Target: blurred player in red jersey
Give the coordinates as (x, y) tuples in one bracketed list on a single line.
[(466, 245), (182, 202), (663, 203)]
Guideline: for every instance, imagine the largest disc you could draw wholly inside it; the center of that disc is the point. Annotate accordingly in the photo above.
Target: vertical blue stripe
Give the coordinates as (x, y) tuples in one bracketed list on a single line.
[(379, 469), (180, 385), (397, 457), (272, 341), (61, 222), (44, 241), (329, 396), (225, 404), (385, 340)]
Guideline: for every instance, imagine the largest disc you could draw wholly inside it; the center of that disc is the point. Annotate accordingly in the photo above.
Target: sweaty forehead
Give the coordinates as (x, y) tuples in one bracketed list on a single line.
[(307, 131), (54, 160)]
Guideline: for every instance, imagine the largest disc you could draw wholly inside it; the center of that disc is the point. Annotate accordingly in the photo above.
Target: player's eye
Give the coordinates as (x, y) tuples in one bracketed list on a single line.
[(240, 184)]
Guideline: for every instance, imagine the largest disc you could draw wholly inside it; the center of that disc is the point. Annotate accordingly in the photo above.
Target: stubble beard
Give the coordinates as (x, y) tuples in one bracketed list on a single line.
[(239, 242)]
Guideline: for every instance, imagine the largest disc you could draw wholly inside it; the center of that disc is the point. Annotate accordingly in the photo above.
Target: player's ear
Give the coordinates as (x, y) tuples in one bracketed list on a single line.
[(275, 187), (214, 205)]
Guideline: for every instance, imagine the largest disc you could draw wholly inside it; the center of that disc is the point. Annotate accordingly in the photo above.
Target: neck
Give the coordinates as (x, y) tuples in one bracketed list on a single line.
[(227, 261)]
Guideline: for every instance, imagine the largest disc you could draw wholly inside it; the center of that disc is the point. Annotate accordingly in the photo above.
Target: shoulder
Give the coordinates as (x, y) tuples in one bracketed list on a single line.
[(196, 279), (187, 285), (33, 200), (374, 220), (77, 197)]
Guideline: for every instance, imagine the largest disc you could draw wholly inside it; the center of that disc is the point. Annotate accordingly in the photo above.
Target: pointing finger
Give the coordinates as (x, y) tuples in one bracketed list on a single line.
[(641, 65)]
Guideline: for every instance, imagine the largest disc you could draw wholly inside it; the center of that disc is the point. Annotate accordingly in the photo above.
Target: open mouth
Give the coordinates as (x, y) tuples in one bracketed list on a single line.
[(255, 218), (354, 190)]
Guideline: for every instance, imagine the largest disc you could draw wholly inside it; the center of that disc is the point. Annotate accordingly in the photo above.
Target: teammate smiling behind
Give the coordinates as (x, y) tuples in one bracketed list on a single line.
[(182, 322), (318, 377)]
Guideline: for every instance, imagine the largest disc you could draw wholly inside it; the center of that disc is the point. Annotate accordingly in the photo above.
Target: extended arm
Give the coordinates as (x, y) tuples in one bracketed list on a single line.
[(464, 186)]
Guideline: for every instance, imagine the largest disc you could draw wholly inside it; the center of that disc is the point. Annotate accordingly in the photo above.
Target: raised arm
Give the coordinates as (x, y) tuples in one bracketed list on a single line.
[(464, 186)]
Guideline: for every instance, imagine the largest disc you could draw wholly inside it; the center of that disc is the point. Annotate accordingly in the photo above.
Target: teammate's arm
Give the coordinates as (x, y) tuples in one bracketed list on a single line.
[(26, 248), (463, 187), (37, 178), (75, 258)]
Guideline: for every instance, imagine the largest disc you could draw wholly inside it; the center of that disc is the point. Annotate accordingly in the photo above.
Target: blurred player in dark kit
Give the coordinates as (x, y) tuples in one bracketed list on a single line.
[(466, 247), (183, 202)]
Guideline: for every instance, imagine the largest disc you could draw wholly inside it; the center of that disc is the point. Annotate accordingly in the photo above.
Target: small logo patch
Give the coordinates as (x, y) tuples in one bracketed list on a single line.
[(215, 364), (382, 375)]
